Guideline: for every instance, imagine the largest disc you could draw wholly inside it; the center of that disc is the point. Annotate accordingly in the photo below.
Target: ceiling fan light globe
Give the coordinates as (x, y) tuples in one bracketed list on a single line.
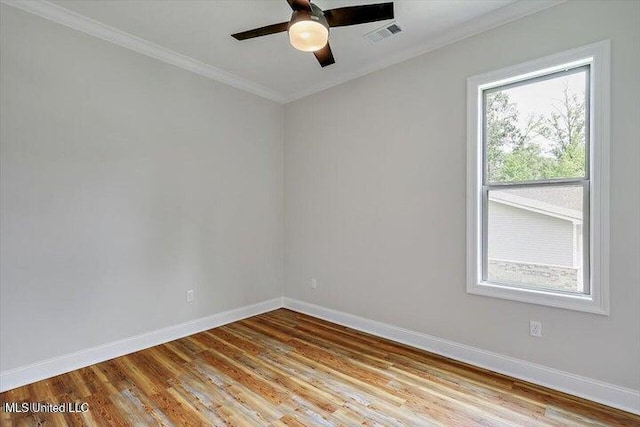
[(308, 35)]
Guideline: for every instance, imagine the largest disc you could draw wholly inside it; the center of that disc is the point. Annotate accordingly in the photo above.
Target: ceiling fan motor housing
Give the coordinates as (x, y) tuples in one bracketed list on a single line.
[(316, 15)]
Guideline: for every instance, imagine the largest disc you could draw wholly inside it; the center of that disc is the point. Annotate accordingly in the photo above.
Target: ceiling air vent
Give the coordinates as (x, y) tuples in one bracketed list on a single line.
[(383, 32)]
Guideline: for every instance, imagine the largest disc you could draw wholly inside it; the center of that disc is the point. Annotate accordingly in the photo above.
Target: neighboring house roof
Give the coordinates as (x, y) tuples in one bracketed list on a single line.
[(561, 202)]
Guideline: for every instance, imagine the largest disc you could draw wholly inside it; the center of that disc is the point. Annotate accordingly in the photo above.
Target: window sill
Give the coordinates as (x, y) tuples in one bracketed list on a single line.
[(586, 303)]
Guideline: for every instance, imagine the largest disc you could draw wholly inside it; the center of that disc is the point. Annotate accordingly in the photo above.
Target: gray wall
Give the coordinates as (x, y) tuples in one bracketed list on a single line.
[(125, 182), (375, 197)]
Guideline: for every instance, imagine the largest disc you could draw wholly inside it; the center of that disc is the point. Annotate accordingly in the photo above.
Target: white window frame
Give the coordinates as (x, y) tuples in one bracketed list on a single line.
[(596, 55)]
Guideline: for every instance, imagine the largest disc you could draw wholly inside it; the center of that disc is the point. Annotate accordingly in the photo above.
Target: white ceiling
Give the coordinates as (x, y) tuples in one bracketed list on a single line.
[(200, 29)]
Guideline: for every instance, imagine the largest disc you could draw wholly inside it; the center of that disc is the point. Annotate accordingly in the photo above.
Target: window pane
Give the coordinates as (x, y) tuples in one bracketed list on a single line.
[(537, 130), (535, 237)]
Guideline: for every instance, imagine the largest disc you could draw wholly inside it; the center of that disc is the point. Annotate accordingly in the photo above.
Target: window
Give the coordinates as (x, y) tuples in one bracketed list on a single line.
[(538, 156)]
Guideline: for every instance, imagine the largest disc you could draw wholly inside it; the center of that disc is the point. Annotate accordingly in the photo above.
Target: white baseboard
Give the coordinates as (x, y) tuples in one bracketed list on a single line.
[(68, 362), (597, 391)]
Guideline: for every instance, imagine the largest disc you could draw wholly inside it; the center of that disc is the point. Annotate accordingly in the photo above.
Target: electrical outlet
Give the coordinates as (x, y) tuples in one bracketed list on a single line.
[(535, 328), (190, 296), (314, 284)]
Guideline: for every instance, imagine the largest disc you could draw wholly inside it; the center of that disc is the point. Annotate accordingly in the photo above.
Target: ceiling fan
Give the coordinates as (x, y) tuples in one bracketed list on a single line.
[(309, 25)]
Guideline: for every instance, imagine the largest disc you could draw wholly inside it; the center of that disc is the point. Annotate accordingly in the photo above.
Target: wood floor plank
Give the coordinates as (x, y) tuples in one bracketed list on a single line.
[(287, 369)]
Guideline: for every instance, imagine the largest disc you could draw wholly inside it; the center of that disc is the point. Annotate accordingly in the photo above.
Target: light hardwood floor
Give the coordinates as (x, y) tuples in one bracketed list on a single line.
[(284, 368)]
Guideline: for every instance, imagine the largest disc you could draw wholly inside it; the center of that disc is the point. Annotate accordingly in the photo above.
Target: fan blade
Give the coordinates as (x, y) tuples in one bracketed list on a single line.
[(262, 31), (354, 15), (300, 5), (325, 56)]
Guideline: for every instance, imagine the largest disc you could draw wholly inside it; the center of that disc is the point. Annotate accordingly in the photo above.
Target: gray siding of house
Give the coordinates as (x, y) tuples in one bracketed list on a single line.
[(520, 235)]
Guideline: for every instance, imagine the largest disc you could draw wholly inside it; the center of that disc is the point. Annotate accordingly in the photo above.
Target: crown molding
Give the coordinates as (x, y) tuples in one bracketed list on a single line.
[(92, 27), (496, 18), (50, 11)]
